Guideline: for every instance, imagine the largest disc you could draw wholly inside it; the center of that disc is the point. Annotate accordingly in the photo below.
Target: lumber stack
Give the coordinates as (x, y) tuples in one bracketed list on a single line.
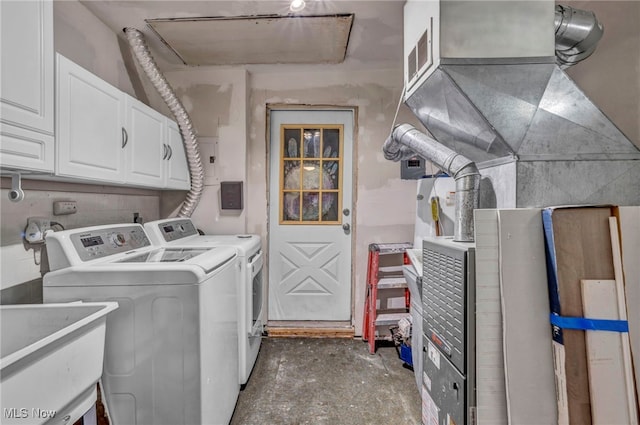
[(594, 291)]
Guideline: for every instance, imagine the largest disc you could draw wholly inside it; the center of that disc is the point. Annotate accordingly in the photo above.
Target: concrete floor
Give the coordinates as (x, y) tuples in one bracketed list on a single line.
[(327, 381)]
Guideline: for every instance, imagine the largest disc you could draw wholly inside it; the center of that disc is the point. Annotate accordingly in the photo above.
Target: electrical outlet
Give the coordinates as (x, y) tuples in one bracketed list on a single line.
[(64, 207), (36, 226)]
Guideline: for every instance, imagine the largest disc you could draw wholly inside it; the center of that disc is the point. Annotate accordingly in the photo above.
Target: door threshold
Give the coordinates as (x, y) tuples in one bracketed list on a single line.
[(310, 329)]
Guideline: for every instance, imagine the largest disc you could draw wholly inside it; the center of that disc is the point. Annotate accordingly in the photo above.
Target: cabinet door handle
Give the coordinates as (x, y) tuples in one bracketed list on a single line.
[(164, 151), (170, 152), (125, 137)]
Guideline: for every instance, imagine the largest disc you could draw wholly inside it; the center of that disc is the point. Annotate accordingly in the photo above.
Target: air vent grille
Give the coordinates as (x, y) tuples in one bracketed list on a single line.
[(444, 282)]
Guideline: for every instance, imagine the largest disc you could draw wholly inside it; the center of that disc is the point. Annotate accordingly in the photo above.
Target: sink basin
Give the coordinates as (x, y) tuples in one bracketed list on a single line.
[(51, 358)]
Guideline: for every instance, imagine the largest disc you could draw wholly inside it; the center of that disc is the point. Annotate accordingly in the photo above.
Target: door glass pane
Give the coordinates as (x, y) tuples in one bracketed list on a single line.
[(310, 206), (331, 174), (331, 143), (291, 206), (292, 143), (291, 174), (330, 206), (311, 141), (311, 175), (311, 161)]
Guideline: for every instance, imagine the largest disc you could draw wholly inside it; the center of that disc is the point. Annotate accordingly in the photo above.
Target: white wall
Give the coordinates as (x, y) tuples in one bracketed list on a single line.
[(96, 205), (610, 77), (216, 100), (85, 40)]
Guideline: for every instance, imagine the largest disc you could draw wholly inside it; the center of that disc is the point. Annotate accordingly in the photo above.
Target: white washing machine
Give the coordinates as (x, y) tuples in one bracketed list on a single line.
[(182, 232), (171, 349)]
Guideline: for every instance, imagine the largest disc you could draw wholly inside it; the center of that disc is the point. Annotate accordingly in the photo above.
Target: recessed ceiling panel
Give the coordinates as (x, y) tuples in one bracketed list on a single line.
[(256, 39)]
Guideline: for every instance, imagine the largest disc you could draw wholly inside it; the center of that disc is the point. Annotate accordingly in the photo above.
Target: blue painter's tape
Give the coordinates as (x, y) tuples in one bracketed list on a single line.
[(585, 324)]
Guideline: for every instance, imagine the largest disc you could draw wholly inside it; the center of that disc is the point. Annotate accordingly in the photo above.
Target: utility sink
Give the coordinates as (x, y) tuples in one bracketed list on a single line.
[(51, 358)]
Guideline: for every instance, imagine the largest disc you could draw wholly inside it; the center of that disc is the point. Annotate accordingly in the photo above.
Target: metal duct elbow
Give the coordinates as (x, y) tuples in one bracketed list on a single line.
[(196, 170), (406, 141), (577, 35), (395, 151)]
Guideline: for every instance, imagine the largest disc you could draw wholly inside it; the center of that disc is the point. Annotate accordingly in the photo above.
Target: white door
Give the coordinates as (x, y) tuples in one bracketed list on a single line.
[(310, 215)]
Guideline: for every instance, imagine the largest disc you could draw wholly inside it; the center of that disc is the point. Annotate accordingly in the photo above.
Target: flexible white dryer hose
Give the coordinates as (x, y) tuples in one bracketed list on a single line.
[(196, 170)]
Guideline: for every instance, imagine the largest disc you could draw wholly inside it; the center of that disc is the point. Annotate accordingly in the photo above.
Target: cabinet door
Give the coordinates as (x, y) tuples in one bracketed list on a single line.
[(145, 150), (26, 93), (90, 128), (177, 169)]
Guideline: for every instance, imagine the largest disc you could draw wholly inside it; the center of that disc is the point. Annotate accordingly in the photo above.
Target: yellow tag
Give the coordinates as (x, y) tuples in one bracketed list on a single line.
[(435, 208)]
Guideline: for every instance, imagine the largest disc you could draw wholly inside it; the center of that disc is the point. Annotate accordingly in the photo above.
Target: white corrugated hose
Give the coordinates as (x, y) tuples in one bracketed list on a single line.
[(196, 170)]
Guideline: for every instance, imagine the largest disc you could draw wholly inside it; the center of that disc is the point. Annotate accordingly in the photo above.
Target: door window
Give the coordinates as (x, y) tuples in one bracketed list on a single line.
[(311, 170)]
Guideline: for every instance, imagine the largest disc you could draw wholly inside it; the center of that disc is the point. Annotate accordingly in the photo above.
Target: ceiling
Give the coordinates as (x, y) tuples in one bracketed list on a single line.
[(256, 39), (375, 38)]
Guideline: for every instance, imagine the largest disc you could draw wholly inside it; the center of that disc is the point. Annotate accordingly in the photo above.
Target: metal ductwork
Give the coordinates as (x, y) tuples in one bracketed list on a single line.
[(196, 170), (484, 80), (577, 35), (405, 142)]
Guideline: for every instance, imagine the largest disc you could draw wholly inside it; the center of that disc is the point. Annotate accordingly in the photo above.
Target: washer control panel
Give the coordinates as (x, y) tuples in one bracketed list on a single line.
[(177, 229), (94, 244)]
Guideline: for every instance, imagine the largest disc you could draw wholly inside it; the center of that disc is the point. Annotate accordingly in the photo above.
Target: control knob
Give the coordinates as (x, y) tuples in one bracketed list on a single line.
[(118, 239)]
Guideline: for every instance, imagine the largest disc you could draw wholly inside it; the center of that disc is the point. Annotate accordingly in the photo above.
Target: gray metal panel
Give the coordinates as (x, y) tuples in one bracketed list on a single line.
[(453, 394), (496, 29), (454, 121), (551, 134), (490, 111), (578, 182), (446, 290), (565, 99), (507, 95)]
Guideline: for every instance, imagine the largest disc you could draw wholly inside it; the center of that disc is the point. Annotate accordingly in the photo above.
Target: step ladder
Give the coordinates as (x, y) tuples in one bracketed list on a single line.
[(381, 278)]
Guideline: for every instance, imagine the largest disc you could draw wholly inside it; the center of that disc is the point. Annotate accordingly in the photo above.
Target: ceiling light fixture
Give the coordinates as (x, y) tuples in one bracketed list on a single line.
[(297, 5)]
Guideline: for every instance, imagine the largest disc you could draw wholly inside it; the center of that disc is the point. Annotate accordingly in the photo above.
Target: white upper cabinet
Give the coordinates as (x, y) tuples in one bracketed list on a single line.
[(105, 135), (145, 148), (91, 135), (177, 170), (26, 94)]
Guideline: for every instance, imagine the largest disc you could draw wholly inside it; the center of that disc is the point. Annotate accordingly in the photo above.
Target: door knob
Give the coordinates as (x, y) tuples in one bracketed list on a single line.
[(346, 228), (346, 211)]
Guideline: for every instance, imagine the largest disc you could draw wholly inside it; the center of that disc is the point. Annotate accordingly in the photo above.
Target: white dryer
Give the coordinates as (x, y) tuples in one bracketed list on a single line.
[(171, 350), (182, 232)]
